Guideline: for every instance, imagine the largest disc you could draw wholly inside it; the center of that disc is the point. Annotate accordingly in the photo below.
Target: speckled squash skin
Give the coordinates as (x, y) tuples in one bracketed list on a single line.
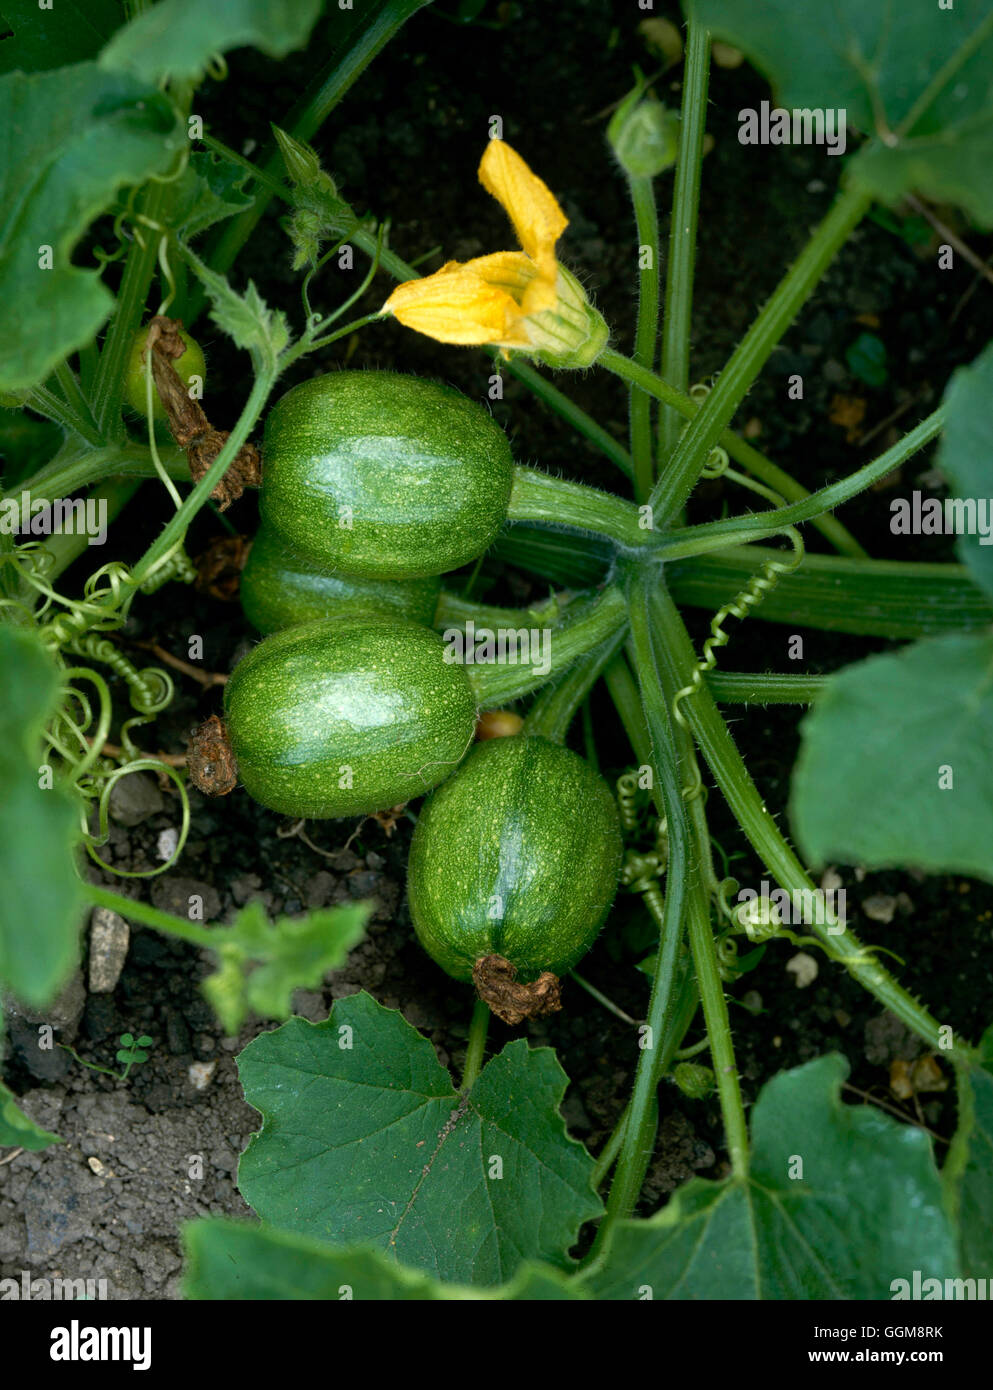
[(424, 474), (367, 702), (279, 589), (517, 855)]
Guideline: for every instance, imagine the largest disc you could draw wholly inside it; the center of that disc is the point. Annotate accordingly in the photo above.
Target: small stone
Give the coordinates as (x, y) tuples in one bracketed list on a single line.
[(244, 887), (881, 907), (98, 1168), (134, 798), (167, 843), (110, 936), (318, 889), (804, 968), (200, 1074)]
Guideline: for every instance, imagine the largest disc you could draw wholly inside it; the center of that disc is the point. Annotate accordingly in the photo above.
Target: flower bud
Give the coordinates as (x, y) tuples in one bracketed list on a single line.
[(644, 135)]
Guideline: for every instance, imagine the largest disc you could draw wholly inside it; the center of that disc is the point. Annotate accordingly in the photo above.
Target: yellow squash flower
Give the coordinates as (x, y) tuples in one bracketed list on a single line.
[(522, 301)]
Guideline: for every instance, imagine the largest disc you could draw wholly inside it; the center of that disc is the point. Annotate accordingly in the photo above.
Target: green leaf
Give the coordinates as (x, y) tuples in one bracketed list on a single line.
[(177, 38), (17, 1130), (40, 906), (71, 139), (245, 318), (68, 32), (968, 1172), (914, 79), (894, 767), (292, 953), (126, 1039), (210, 189), (866, 359), (964, 456), (365, 1139), (867, 1209), (236, 1261), (145, 1041)]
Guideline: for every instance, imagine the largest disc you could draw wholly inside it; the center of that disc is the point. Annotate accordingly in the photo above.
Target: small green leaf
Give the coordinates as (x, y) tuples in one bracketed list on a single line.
[(56, 35), (894, 767), (177, 38), (145, 1041), (17, 1130), (233, 1260), (964, 457), (865, 1210), (40, 906), (127, 1039), (71, 139), (211, 189), (915, 80), (124, 1056), (866, 359), (292, 953), (139, 1056), (365, 1139), (245, 318)]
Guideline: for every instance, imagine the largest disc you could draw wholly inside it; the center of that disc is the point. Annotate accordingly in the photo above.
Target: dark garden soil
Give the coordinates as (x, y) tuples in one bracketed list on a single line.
[(109, 1202)]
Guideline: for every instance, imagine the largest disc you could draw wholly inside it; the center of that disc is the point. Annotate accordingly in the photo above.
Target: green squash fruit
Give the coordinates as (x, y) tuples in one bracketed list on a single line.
[(516, 855), (347, 716), (384, 476), (279, 589), (191, 364)]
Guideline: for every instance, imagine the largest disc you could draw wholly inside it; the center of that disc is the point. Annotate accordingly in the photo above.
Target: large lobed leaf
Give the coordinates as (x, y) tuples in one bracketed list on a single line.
[(40, 904), (917, 79), (365, 1140), (233, 1260), (71, 139), (866, 1211)]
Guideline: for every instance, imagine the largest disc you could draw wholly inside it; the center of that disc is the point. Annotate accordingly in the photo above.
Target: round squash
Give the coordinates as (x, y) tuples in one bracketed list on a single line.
[(384, 476), (516, 855), (279, 589), (347, 716)]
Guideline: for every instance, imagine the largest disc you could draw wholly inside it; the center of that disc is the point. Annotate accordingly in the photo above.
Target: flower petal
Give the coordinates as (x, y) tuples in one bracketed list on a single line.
[(457, 305), (531, 206)]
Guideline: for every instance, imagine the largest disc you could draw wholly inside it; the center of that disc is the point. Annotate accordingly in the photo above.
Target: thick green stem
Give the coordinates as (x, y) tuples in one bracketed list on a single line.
[(691, 452), (677, 324), (108, 388), (476, 1050), (716, 535), (673, 647), (736, 448), (63, 478), (715, 1013), (896, 599), (639, 1135), (743, 688), (455, 611), (646, 332), (538, 497), (584, 629), (63, 413)]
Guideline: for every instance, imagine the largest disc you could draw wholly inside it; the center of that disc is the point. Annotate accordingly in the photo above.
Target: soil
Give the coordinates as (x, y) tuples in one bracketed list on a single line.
[(141, 1158)]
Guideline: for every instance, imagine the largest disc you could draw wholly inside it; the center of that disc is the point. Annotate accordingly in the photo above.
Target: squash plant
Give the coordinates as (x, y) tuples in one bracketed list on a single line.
[(376, 1173)]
